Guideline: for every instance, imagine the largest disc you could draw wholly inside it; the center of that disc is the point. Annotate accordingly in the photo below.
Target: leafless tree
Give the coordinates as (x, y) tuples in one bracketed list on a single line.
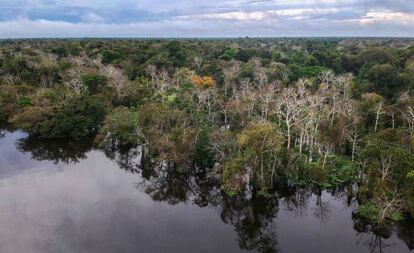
[(10, 79), (354, 139), (390, 203), (379, 111), (75, 74), (288, 107), (76, 85), (408, 115), (230, 73), (117, 80)]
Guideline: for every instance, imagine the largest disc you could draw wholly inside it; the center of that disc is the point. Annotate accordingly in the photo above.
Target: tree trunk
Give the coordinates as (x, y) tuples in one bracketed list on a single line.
[(324, 160), (377, 118), (288, 134)]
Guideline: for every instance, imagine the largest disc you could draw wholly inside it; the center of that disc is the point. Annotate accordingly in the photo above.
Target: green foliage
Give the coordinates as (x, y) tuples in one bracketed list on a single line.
[(176, 53), (229, 53), (388, 164), (79, 117), (166, 132), (341, 170), (374, 56), (122, 124), (233, 175), (203, 156), (12, 99), (305, 71), (94, 82), (338, 170), (7, 106), (369, 211), (372, 212), (259, 144), (75, 117), (110, 56), (24, 101), (384, 79), (410, 175), (171, 112)]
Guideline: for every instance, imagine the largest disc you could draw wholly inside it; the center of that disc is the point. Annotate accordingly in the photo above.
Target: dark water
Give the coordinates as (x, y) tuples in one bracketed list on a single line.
[(68, 197)]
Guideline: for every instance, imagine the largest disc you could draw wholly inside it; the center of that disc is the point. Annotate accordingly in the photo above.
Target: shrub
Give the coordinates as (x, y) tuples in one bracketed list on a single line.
[(122, 124), (54, 115), (12, 99), (94, 82)]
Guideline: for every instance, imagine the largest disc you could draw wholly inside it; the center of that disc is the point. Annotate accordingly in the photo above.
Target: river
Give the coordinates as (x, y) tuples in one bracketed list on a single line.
[(66, 196)]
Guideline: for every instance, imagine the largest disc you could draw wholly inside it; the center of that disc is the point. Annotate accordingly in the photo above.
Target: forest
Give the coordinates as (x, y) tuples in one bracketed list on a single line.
[(261, 113)]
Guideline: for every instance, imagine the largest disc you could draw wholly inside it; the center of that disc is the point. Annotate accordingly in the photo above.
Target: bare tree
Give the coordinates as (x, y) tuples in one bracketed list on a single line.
[(116, 79), (311, 115), (378, 114), (244, 101), (10, 79), (288, 106), (408, 115), (354, 139), (390, 203), (230, 73), (75, 82), (377, 102), (76, 85)]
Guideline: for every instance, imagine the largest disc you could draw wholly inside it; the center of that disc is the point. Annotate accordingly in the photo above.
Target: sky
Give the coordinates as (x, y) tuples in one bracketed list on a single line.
[(206, 18)]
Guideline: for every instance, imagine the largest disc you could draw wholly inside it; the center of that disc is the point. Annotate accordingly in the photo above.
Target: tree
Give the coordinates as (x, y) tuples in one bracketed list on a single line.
[(55, 114), (230, 73), (122, 125), (375, 103), (288, 107), (75, 83), (116, 80), (258, 145)]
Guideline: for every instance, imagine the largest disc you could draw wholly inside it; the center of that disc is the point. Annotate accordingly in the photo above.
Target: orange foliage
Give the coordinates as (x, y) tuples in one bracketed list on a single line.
[(202, 82)]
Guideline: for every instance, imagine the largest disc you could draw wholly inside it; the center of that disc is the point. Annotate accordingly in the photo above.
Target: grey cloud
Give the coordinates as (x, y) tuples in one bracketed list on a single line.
[(214, 18)]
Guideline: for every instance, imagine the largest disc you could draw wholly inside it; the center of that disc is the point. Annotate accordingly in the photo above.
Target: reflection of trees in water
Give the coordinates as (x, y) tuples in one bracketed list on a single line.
[(5, 128), (322, 209), (372, 236), (164, 183), (166, 186), (405, 231), (375, 243), (127, 158), (251, 215), (67, 151), (252, 219), (296, 200)]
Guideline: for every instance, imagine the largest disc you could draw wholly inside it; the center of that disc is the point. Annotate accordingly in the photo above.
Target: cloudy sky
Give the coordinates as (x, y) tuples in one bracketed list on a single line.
[(205, 18)]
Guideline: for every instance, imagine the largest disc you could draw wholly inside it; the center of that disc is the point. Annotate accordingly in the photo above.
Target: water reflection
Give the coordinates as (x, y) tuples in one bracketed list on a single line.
[(92, 206), (406, 232), (376, 238), (67, 151), (128, 158)]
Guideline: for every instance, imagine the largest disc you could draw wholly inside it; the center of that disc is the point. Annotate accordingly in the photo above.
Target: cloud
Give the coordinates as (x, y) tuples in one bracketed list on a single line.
[(375, 17), (214, 18), (303, 13), (91, 17)]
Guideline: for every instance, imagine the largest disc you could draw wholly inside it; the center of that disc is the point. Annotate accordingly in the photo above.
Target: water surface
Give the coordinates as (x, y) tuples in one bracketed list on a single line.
[(68, 197)]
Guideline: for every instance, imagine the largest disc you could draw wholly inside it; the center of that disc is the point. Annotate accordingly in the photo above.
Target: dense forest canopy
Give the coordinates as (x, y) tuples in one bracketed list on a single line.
[(264, 113)]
